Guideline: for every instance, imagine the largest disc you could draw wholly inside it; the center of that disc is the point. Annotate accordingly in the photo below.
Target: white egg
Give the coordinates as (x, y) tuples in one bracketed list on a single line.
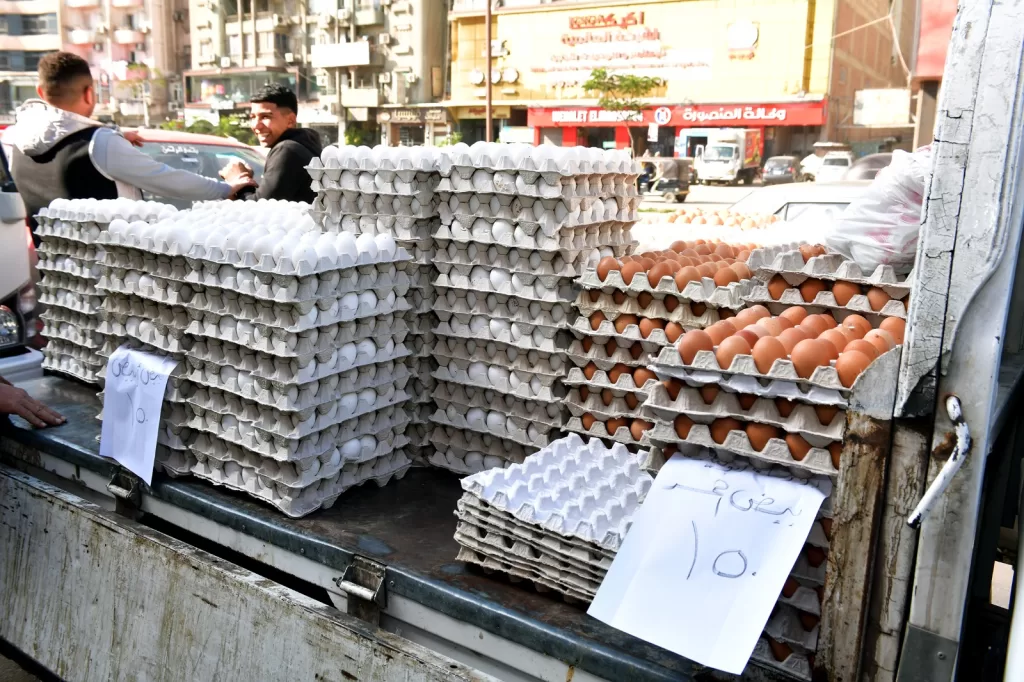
[(368, 300), (477, 372), (351, 449), (367, 248), (501, 231), (367, 398), (347, 354), (535, 386), (479, 276), (512, 353), (500, 279), (348, 403), (386, 246), (492, 462), (476, 417), (514, 381), (497, 376), (347, 249), (366, 349), (499, 326), (349, 302), (478, 323), (474, 461), (496, 421)]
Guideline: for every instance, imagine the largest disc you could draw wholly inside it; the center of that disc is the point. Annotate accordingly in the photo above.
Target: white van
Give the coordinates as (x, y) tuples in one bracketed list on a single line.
[(834, 166)]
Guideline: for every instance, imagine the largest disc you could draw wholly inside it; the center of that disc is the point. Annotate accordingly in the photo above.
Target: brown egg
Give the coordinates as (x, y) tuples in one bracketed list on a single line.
[(613, 425), (658, 272), (691, 342), (589, 370), (595, 295), (809, 289), (720, 428), (587, 343), (672, 387), (607, 397), (606, 265), (685, 275), (641, 375), (790, 337), (850, 365), (671, 303), (588, 420), (630, 270), (689, 253), (881, 339), (596, 318), (770, 325), (682, 425), (783, 322), (830, 322), (807, 251), (815, 555), (759, 312), (790, 587), (702, 249), (896, 327), (648, 263), (835, 450), (864, 347), (798, 446), (826, 413), (813, 325), (844, 291), (631, 401), (808, 621), (584, 393), (644, 299), (836, 338), (726, 276), (725, 251), (635, 351), (623, 321), (877, 298), (742, 270), (760, 434), (673, 331), (757, 330), (619, 297), (678, 246), (795, 314), (615, 372), (730, 348), (698, 309), (780, 650), (708, 393), (637, 428), (746, 400), (766, 351), (809, 355), (743, 255), (748, 335), (826, 523), (777, 285), (707, 270), (726, 314), (785, 407), (610, 347), (648, 325), (857, 324)]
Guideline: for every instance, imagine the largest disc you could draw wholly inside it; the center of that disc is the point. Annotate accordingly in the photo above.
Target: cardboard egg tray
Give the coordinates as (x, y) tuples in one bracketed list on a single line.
[(57, 283), (833, 267), (784, 626), (464, 397), (82, 321), (402, 228), (544, 186), (87, 234), (682, 314), (527, 364), (62, 359), (389, 162), (421, 252), (796, 665), (494, 563), (471, 441), (464, 305), (631, 334), (52, 248), (477, 278), (802, 420), (705, 291), (285, 449), (511, 224), (600, 381), (818, 461), (595, 405), (297, 502), (68, 265), (825, 300), (552, 213), (528, 159), (337, 203), (369, 182), (597, 430), (598, 354), (511, 428), (523, 336), (451, 256), (69, 332), (455, 460), (615, 236), (539, 387), (174, 462)]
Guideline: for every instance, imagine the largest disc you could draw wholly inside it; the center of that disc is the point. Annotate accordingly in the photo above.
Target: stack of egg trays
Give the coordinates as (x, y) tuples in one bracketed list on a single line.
[(556, 520), (516, 231), (830, 268), (391, 190), (294, 401), (70, 258)]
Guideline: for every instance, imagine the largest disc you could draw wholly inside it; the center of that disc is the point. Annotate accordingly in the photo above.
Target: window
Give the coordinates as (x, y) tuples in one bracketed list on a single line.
[(5, 61), (32, 60), (262, 5), (204, 159), (234, 45), (3, 26), (230, 7), (38, 24)]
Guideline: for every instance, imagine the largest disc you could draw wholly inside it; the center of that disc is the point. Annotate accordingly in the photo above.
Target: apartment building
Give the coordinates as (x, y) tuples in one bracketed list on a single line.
[(349, 61), (28, 30)]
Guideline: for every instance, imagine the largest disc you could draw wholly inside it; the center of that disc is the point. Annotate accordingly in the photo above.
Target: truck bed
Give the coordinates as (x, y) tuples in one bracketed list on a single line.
[(408, 525)]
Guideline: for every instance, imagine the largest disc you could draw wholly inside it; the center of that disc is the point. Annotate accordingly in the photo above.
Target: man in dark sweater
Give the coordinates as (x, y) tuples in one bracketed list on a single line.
[(272, 118)]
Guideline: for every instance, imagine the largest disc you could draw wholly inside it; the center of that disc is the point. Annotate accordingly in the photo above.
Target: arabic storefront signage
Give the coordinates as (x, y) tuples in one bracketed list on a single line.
[(609, 20), (413, 116), (738, 115)]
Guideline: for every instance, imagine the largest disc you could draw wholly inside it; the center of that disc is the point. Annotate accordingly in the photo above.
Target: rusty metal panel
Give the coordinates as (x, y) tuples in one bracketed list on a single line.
[(93, 596)]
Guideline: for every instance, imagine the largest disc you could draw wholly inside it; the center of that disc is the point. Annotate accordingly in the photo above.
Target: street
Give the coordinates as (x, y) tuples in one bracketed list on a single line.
[(702, 196)]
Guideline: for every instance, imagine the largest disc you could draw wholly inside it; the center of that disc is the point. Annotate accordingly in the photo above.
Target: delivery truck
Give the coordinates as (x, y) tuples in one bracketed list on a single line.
[(731, 156)]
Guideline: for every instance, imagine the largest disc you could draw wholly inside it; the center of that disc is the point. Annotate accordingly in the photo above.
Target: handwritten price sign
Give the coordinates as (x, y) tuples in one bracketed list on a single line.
[(132, 398), (706, 558)]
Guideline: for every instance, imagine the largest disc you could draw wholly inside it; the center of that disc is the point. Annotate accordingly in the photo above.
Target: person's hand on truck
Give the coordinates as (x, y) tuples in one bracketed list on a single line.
[(14, 400)]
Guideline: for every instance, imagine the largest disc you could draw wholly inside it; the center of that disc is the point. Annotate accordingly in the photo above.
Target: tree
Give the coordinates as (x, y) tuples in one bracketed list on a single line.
[(227, 126), (622, 92)]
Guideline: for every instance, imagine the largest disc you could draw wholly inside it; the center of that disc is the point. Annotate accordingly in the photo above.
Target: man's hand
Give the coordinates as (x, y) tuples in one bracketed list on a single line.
[(132, 137), (240, 183), (14, 400), (235, 170)]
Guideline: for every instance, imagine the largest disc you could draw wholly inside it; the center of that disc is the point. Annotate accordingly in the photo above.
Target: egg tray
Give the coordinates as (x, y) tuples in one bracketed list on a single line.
[(69, 300), (174, 437), (606, 330), (525, 158), (323, 494), (67, 265), (832, 266), (212, 405), (574, 488), (705, 291), (525, 287), (368, 182), (336, 204), (472, 441), (622, 435), (554, 213), (72, 349), (515, 429), (570, 239), (595, 406), (306, 396), (56, 282), (402, 162), (547, 390), (818, 461), (464, 397), (491, 563), (802, 420), (523, 336), (548, 366), (422, 255), (601, 381), (55, 361), (546, 186), (56, 247), (450, 256), (87, 234), (454, 460), (784, 626), (103, 210), (598, 354), (68, 332), (681, 315), (312, 445), (401, 228), (174, 463), (302, 292), (464, 306), (797, 665), (826, 300), (82, 321)]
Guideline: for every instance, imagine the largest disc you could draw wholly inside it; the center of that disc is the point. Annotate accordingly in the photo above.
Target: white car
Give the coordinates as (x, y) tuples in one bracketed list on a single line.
[(834, 166)]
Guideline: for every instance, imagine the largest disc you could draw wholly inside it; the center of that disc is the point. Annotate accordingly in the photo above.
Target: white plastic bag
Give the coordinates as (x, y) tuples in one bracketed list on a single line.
[(881, 227)]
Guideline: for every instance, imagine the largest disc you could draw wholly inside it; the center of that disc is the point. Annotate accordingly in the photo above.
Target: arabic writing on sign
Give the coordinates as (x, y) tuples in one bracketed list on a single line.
[(643, 35), (691, 114), (606, 21), (178, 149)]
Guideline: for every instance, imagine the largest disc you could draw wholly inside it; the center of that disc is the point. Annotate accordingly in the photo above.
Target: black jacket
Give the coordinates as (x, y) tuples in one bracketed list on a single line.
[(285, 176)]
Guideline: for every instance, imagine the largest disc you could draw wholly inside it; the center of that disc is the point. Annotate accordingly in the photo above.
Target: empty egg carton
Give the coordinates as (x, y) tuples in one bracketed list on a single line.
[(174, 462)]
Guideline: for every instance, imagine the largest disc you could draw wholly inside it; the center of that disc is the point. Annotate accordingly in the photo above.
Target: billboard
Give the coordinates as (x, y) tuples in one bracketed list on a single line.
[(882, 108)]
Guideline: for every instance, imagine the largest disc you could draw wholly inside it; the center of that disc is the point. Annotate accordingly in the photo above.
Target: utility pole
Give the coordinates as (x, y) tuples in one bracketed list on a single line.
[(487, 70)]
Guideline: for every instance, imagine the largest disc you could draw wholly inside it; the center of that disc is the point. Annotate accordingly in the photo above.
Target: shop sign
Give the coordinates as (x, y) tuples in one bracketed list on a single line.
[(437, 115), (662, 116), (498, 112), (738, 115), (610, 20), (413, 116), (741, 38)]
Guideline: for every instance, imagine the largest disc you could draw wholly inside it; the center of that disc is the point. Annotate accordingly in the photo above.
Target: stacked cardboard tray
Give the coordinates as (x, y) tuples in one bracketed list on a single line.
[(70, 260), (391, 190), (555, 520), (293, 340), (518, 225)]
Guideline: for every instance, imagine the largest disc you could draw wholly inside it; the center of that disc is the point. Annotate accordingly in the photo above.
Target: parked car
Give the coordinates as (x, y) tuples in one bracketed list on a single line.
[(833, 166), (867, 168), (801, 200), (779, 169)]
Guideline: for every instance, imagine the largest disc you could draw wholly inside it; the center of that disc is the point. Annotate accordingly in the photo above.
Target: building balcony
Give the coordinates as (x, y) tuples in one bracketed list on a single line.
[(126, 4), (360, 97), (129, 36), (342, 55), (81, 4), (82, 36), (372, 16)]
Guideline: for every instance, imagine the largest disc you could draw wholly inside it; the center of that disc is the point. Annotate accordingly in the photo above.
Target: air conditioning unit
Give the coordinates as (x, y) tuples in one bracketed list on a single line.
[(383, 38), (411, 78), (384, 78), (289, 57), (225, 62), (281, 21), (323, 80)]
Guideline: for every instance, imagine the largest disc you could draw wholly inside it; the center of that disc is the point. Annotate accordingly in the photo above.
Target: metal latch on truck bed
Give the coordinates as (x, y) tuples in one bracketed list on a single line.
[(126, 488), (363, 585), (949, 469)]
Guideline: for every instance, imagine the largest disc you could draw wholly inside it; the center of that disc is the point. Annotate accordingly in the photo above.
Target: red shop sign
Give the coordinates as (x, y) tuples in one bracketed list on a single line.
[(692, 116)]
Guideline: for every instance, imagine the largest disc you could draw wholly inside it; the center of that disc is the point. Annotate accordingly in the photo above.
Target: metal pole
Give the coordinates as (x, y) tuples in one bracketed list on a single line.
[(487, 69)]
